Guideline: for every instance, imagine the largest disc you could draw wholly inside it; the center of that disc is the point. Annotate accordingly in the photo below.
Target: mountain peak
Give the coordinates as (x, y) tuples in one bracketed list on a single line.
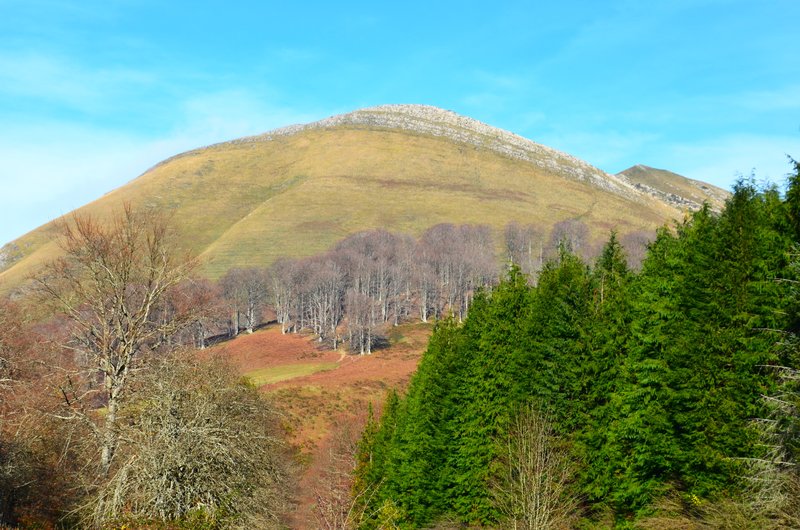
[(675, 189), (434, 121)]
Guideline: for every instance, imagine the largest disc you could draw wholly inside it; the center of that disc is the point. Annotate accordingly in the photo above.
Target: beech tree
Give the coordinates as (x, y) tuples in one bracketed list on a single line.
[(636, 244), (325, 297), (203, 299), (524, 247), (362, 312), (281, 290), (246, 292), (572, 235), (112, 284), (461, 260)]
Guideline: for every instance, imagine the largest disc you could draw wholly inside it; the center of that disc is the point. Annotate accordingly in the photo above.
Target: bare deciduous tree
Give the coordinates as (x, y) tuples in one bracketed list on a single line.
[(197, 444), (362, 315), (338, 504), (635, 244), (15, 463), (202, 299), (524, 247), (281, 290), (246, 292), (534, 491), (325, 297), (111, 284), (461, 259), (572, 235)]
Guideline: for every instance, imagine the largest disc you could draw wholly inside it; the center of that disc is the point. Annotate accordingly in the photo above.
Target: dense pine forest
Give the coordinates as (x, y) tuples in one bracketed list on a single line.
[(595, 395)]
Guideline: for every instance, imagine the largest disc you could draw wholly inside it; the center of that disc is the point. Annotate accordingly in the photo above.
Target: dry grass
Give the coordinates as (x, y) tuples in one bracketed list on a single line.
[(670, 182)]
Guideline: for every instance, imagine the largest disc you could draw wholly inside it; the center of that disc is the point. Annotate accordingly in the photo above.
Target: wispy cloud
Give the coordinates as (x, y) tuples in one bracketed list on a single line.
[(54, 79)]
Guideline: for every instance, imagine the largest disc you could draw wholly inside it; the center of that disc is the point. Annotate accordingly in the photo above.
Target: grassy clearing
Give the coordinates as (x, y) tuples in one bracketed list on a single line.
[(275, 374)]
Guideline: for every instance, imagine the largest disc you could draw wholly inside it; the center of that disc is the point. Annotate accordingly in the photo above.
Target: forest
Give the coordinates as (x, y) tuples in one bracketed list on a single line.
[(600, 396), (650, 383)]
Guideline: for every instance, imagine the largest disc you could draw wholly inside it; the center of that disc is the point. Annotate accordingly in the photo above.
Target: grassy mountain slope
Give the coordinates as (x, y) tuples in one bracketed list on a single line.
[(675, 189), (296, 191)]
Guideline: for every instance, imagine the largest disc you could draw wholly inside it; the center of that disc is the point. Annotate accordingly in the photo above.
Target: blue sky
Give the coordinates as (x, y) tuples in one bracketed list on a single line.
[(94, 92)]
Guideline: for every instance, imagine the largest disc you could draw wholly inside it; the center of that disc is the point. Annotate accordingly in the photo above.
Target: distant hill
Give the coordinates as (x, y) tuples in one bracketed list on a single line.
[(295, 191), (675, 189)]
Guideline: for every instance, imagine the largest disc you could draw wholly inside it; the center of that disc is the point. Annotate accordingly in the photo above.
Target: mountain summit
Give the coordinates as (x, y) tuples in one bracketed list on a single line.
[(297, 190)]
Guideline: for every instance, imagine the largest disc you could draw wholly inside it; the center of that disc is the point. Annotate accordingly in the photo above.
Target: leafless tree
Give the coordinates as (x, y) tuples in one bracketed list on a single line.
[(424, 282), (8, 326), (534, 491), (326, 289), (376, 265), (339, 503), (246, 292), (461, 259), (281, 289), (197, 444), (362, 319), (203, 300), (111, 284), (635, 244), (373, 279), (479, 265), (35, 461), (15, 463), (572, 235), (524, 248)]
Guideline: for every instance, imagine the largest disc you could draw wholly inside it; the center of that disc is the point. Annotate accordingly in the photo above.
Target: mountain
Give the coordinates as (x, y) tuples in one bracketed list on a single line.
[(674, 189), (295, 191)]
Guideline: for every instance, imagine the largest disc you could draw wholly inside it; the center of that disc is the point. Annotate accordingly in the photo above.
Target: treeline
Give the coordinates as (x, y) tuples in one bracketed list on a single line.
[(646, 390), (375, 279), (366, 282)]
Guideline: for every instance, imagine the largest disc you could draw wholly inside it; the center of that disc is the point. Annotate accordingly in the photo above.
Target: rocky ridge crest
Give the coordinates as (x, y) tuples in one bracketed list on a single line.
[(433, 121)]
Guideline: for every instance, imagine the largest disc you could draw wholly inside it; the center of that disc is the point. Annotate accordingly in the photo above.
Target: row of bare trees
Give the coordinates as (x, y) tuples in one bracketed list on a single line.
[(375, 279), (366, 282)]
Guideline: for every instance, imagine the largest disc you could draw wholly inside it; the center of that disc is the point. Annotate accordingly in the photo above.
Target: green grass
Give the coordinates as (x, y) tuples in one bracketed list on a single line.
[(275, 374)]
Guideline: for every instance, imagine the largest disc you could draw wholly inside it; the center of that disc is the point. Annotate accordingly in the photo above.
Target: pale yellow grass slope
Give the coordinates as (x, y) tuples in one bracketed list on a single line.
[(247, 204)]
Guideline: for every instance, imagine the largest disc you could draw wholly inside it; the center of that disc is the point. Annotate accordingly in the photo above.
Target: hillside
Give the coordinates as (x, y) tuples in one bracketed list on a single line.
[(297, 190), (321, 405), (673, 188)]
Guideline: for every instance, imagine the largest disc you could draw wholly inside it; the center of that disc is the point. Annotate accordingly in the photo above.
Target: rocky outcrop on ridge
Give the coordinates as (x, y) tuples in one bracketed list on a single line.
[(433, 121), (436, 122)]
